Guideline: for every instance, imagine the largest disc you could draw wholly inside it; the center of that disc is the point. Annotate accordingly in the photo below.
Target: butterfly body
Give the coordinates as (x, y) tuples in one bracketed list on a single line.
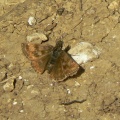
[(56, 61), (57, 50)]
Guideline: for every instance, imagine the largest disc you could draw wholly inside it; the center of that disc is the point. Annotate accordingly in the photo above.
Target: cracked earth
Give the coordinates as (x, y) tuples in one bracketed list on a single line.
[(93, 95)]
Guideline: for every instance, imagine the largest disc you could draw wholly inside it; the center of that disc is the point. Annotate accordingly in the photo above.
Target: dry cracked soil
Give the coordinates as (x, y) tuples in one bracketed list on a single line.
[(27, 95)]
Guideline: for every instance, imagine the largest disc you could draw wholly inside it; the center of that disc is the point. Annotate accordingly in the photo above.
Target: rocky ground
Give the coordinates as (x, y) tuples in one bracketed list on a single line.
[(27, 95)]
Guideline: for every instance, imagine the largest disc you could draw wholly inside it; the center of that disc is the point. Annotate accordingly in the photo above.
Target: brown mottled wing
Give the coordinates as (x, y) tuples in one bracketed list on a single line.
[(64, 67), (38, 54)]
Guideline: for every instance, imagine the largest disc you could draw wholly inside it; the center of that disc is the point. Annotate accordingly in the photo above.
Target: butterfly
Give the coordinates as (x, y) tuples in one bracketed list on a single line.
[(58, 63)]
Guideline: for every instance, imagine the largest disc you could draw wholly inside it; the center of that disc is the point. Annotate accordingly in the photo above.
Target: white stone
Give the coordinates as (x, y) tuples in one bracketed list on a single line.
[(21, 111), (68, 91), (14, 103), (31, 20), (92, 67), (84, 52), (35, 36), (20, 77), (77, 83)]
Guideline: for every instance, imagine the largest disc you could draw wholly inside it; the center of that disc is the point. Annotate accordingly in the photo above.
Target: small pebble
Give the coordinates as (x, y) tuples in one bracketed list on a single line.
[(31, 20), (14, 103), (35, 36), (113, 5), (20, 77), (51, 84), (9, 86), (77, 83), (92, 67), (21, 111), (68, 91)]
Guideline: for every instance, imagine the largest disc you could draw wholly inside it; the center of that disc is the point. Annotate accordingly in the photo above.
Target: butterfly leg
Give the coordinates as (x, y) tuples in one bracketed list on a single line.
[(67, 48)]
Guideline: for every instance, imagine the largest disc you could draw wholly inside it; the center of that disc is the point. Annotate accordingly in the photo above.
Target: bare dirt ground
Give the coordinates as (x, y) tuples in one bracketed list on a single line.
[(25, 95)]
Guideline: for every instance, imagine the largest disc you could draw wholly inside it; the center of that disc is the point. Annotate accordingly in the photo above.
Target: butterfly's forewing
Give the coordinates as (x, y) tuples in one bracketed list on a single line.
[(38, 54), (64, 67)]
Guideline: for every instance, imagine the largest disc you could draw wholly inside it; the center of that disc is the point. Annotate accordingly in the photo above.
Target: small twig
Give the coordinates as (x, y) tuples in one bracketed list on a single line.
[(74, 101)]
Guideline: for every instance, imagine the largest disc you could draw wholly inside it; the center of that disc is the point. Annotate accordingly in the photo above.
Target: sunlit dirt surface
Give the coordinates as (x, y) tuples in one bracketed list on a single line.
[(26, 95)]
